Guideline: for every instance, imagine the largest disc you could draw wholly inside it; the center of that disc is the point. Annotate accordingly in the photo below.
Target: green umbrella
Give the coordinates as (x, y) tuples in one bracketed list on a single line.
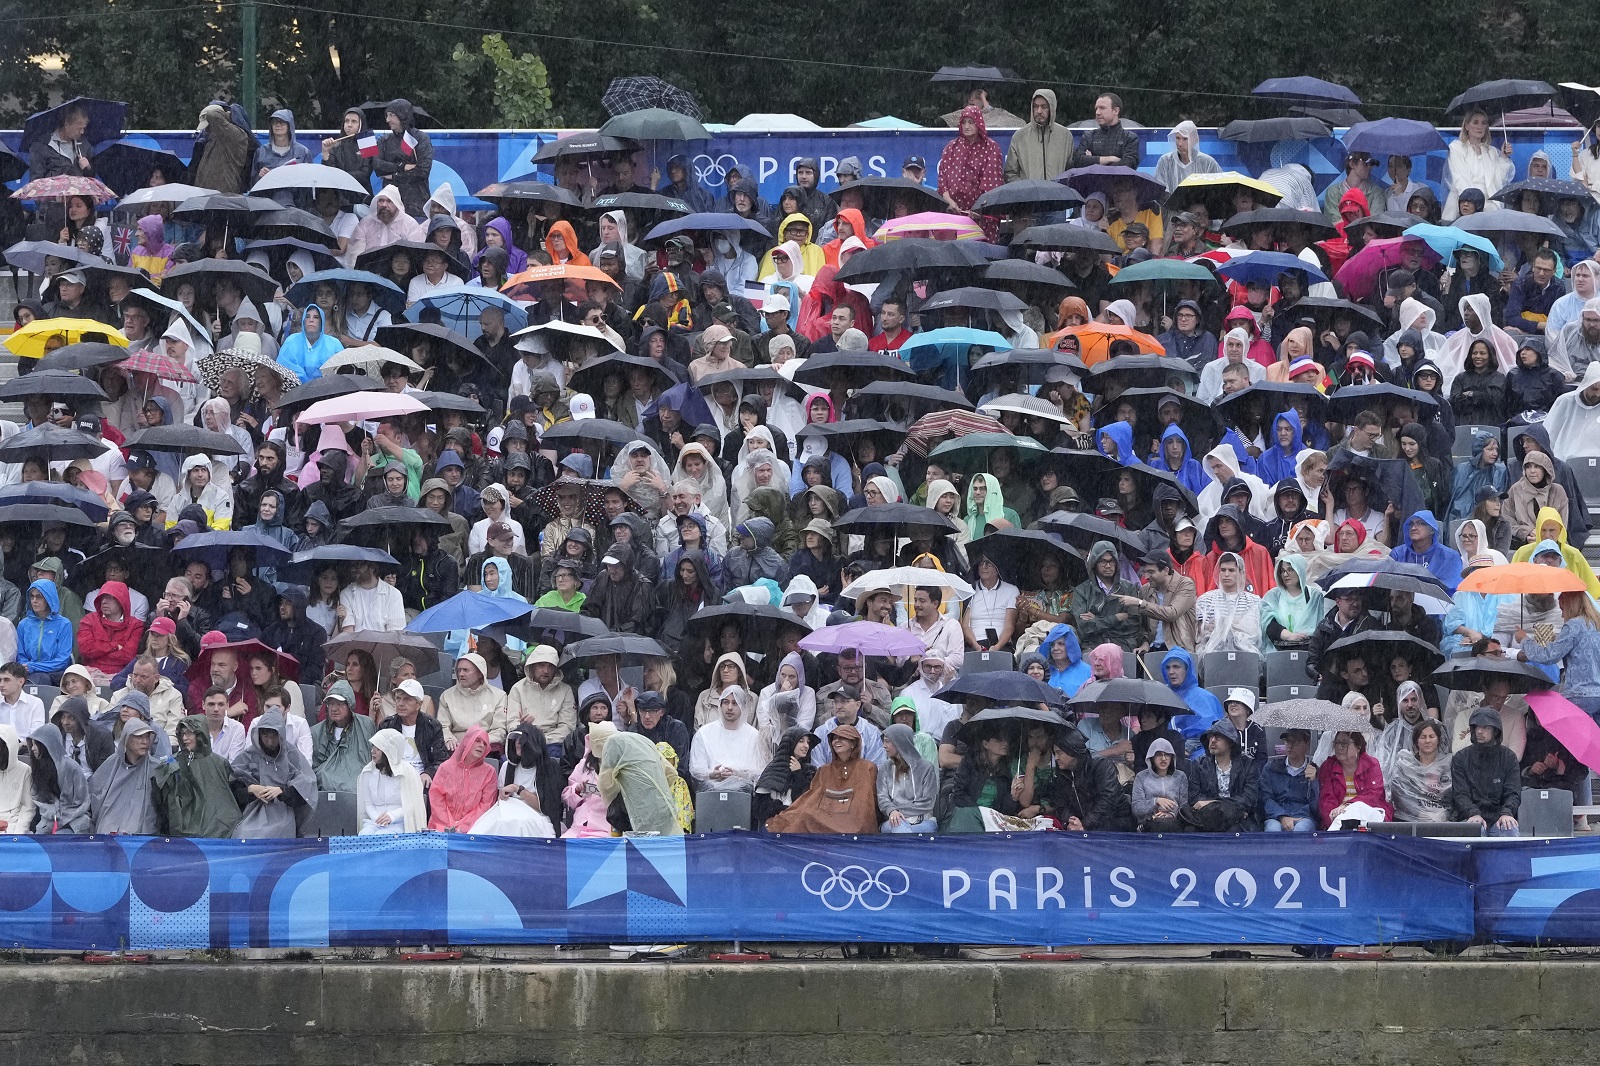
[(1164, 270), (970, 454)]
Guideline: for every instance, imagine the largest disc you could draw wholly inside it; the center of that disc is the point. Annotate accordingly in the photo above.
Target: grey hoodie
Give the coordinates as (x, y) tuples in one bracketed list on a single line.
[(741, 567), (1039, 153), (68, 812), (272, 158)]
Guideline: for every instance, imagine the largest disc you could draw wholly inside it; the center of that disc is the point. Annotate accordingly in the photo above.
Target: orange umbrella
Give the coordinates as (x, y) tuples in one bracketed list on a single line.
[(1522, 579), (523, 286), (1094, 341)]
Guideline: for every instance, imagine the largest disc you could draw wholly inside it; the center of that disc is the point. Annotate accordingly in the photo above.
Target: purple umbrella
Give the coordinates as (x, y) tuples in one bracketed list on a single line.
[(865, 638)]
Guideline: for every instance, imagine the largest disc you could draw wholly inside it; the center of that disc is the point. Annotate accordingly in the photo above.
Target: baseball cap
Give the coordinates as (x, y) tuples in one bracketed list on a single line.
[(1399, 280), (89, 424), (74, 277), (611, 560), (581, 405), (498, 530), (412, 687), (649, 700), (717, 333), (775, 301), (164, 626), (914, 161)]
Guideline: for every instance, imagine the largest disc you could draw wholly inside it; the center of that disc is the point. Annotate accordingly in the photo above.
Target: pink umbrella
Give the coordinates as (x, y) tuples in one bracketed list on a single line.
[(361, 407), (1569, 724), (935, 224), (162, 366), (1359, 275), (62, 186), (867, 638)]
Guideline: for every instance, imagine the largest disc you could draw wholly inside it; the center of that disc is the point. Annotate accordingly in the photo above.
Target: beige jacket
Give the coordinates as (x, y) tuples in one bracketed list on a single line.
[(460, 709), (554, 709)]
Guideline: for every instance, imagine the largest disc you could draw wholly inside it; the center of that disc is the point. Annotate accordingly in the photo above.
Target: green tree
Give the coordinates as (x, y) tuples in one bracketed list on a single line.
[(521, 82)]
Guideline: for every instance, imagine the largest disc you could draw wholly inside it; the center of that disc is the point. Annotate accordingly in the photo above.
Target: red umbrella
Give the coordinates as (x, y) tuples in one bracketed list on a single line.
[(1359, 274), (930, 430), (288, 666), (1569, 724), (162, 366)]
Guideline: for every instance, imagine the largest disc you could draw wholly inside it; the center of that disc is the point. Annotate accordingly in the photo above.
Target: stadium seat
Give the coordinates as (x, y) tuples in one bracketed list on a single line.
[(47, 694), (1285, 667), (1586, 470), (983, 662), (1280, 693), (1226, 669)]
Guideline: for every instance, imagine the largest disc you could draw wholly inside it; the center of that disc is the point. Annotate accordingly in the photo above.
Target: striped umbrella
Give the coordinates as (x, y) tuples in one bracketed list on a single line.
[(162, 366), (931, 430)]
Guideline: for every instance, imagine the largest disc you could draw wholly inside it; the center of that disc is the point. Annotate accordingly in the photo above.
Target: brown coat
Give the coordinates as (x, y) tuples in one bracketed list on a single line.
[(1177, 613), (843, 797)]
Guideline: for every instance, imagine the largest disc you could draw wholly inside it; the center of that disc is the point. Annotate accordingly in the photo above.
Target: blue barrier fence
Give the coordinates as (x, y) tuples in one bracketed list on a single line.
[(471, 159), (105, 893)]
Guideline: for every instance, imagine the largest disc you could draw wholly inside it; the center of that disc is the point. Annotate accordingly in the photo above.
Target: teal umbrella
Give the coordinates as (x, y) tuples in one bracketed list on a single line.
[(1163, 270), (468, 610), (1446, 240), (945, 350), (970, 454)]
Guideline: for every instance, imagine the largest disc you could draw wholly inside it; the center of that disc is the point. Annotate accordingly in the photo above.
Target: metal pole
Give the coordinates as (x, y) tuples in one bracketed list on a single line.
[(247, 76)]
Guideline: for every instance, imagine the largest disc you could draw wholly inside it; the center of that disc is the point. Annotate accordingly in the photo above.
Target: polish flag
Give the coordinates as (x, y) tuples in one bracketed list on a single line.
[(367, 145), (409, 143)]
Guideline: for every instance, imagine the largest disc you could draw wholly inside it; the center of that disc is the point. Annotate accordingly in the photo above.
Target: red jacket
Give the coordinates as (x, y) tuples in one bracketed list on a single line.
[(109, 646), (1369, 787), (816, 310)]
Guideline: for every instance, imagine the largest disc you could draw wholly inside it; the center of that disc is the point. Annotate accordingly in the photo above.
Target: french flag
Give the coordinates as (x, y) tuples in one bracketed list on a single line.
[(409, 143), (367, 145)]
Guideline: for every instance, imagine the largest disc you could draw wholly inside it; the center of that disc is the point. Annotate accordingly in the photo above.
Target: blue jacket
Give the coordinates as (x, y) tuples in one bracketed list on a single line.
[(1285, 795), (1471, 474), (45, 644), (1274, 464), (1078, 672), (1122, 433), (1204, 708), (1190, 474), (1444, 563)]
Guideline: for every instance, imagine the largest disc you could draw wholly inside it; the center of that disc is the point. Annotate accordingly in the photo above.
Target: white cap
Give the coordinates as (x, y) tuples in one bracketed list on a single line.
[(1242, 695), (581, 405), (412, 687), (775, 301)]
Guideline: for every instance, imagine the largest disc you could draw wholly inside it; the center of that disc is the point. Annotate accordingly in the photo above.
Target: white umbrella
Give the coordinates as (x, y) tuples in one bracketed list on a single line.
[(370, 355), (1318, 716), (163, 194), (312, 176), (899, 579), (1430, 604), (1023, 404)]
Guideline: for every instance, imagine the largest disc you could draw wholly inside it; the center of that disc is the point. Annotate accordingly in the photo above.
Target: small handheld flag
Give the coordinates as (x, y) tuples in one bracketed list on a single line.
[(367, 145)]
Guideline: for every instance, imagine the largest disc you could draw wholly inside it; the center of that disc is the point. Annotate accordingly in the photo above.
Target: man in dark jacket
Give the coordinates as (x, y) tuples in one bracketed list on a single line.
[(630, 528), (1346, 618), (88, 743), (619, 597), (296, 634), (344, 153), (813, 203), (222, 157), (1289, 786), (1485, 780), (1108, 143), (429, 735), (267, 478), (1224, 784), (1084, 793), (431, 576), (649, 718), (332, 489), (405, 157)]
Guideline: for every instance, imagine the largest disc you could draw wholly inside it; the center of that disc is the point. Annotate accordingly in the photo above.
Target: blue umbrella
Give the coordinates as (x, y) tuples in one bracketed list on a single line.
[(385, 293), (1393, 136), (1265, 267), (946, 349), (458, 309), (1445, 240), (691, 405), (106, 118), (125, 166), (213, 548), (56, 491), (1306, 90), (706, 220), (468, 610)]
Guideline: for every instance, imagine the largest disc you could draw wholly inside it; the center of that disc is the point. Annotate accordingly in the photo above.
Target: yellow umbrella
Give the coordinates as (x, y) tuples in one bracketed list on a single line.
[(1217, 190), (29, 341)]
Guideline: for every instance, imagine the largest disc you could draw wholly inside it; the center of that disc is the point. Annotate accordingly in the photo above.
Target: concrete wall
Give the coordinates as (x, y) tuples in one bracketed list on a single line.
[(1086, 1014)]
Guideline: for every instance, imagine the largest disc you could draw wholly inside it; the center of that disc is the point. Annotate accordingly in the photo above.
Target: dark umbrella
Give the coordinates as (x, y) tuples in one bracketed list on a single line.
[(1033, 365), (12, 165), (302, 569), (843, 436), (917, 399), (54, 383), (655, 124), (401, 335), (590, 377), (590, 431), (183, 438), (1103, 179), (1582, 101), (291, 223), (1001, 686), (1396, 221), (545, 625), (1387, 480), (449, 401), (744, 378), (639, 92), (975, 74), (1389, 568), (375, 111), (970, 454), (638, 201), (383, 645), (1064, 236), (1477, 673), (1131, 692), (879, 196), (146, 566), (1028, 198), (1351, 400), (759, 624), (582, 146), (377, 260), (215, 547), (52, 442), (1306, 90), (1333, 116), (851, 370), (1097, 476), (708, 221), (1381, 645), (235, 210), (52, 493), (633, 650), (1506, 94), (1264, 130), (125, 166), (256, 286), (1198, 421), (1082, 531), (1018, 552), (1323, 308), (591, 501), (31, 255), (976, 299), (1512, 222), (325, 388), (1003, 719), (911, 256), (893, 516), (1026, 271), (1549, 189), (65, 514), (1277, 395), (1139, 371), (1393, 136), (1278, 216), (504, 192), (106, 119), (394, 516)]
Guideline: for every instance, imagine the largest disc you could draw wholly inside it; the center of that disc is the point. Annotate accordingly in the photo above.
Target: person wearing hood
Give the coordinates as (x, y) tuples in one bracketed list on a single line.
[(1533, 492), (681, 184), (344, 153), (1224, 785), (44, 636), (307, 350), (907, 784), (1185, 159), (1485, 779), (442, 204), (843, 794), (389, 796), (341, 742), (388, 223), (17, 809), (1063, 659), (544, 700), (1179, 673), (1188, 339), (1584, 276), (85, 742), (1235, 351), (1279, 461), (281, 149), (1100, 616), (1176, 457), (1429, 473), (1161, 788), (194, 788), (465, 786), (1114, 440), (224, 149), (1575, 346), (787, 775), (803, 258), (1548, 526), (1425, 546), (1291, 507), (1292, 609), (405, 157), (1226, 470), (58, 787), (753, 556), (272, 782), (971, 164), (532, 773), (1229, 616), (122, 792), (1043, 148), (620, 597), (1483, 470), (471, 701), (108, 638)]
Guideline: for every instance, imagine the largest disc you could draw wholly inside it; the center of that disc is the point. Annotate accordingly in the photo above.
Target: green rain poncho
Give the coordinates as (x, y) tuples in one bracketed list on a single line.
[(632, 766), (194, 787)]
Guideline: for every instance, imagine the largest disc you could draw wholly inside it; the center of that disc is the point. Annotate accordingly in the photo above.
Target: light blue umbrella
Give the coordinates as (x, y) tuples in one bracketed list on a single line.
[(1445, 240), (458, 310), (468, 610), (385, 293), (946, 350)]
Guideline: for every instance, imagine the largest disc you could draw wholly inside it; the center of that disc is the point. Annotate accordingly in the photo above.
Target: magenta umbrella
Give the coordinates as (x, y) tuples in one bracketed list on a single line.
[(867, 638), (1568, 723), (1359, 275)]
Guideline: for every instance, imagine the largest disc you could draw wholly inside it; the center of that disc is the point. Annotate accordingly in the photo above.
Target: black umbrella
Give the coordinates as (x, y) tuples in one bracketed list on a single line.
[(1131, 692), (758, 624), (1139, 371), (1506, 94), (582, 146), (655, 124), (302, 569), (1001, 686), (106, 119), (1027, 198), (183, 438), (894, 517), (1263, 130), (449, 401), (1351, 400), (1512, 222), (1479, 672), (375, 110), (1384, 221), (125, 166), (638, 201), (844, 435), (975, 299), (633, 650), (590, 430), (852, 370), (65, 514), (1303, 89), (880, 195), (378, 260), (590, 378), (235, 210), (85, 355), (639, 92), (292, 223), (394, 516), (1549, 189), (146, 565), (1324, 308), (545, 625), (913, 255), (744, 378), (1018, 553), (33, 256), (1333, 116), (326, 387), (1277, 216), (52, 442), (1096, 476), (54, 383), (882, 396), (402, 335), (504, 192), (1276, 396), (1581, 101), (207, 273), (1386, 567), (1004, 719), (1064, 236), (12, 165), (1378, 646), (975, 75), (1026, 271), (55, 492), (1083, 531), (1033, 365)]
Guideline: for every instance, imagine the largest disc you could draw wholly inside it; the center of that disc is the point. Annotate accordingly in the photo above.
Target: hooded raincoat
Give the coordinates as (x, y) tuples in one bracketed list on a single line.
[(194, 787), (1204, 708)]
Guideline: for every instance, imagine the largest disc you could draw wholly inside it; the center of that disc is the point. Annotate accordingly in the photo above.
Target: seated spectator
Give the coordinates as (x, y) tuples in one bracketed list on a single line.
[(1419, 786), (85, 742), (586, 807), (1064, 660), (1160, 789), (59, 786), (786, 777), (843, 797), (44, 636), (122, 793), (532, 774), (982, 781), (908, 785), (1099, 615), (1349, 778), (464, 787), (1238, 705), (728, 754), (1224, 785), (1289, 786), (389, 796), (1485, 780), (1291, 610), (635, 782), (472, 701), (422, 737), (108, 638), (194, 788), (1085, 794), (341, 743), (1229, 616), (272, 782), (1178, 670)]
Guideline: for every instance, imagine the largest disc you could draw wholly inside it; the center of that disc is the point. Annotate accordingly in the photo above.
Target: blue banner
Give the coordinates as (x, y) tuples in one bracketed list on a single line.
[(106, 893), (1546, 891), (468, 160)]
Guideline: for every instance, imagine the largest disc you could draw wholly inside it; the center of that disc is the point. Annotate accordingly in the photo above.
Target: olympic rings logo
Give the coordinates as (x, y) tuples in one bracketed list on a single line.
[(714, 171), (855, 884)]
